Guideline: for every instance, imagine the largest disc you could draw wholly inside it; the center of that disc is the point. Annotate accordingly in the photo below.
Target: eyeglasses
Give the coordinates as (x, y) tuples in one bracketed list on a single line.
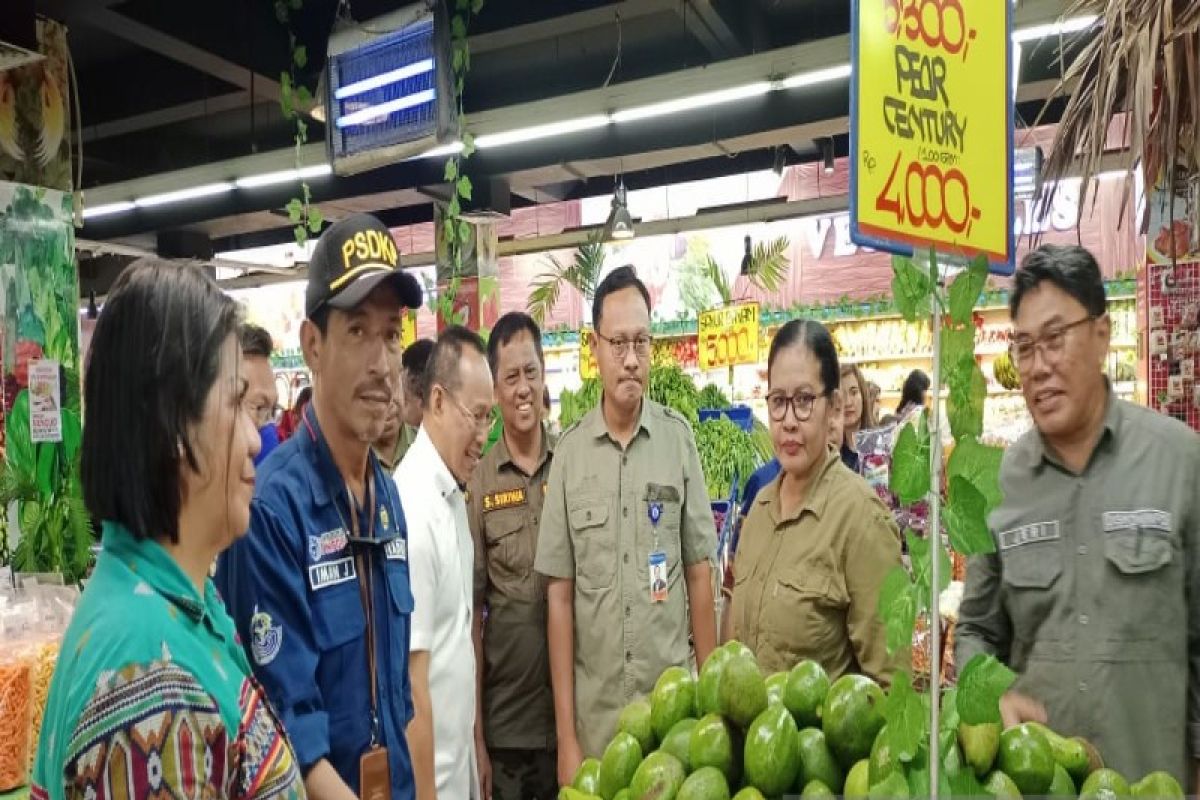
[(482, 421), (262, 414), (620, 345), (801, 404), (1022, 348)]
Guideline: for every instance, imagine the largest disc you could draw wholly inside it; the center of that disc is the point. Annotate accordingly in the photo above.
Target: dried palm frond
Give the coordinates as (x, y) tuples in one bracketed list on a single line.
[(1143, 63)]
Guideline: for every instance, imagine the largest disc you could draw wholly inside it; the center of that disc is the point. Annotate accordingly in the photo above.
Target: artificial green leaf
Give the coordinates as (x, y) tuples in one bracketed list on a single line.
[(281, 12), (454, 207), (476, 6), (910, 465), (907, 722), (921, 555), (464, 231), (458, 27), (20, 451), (981, 684), (912, 289), (893, 786), (920, 778), (965, 290), (459, 60), (72, 430), (979, 464), (315, 220), (965, 399), (898, 608), (963, 783), (450, 174), (468, 142), (464, 187), (295, 210), (300, 234), (948, 719), (304, 100), (966, 519), (300, 57), (958, 348), (46, 463)]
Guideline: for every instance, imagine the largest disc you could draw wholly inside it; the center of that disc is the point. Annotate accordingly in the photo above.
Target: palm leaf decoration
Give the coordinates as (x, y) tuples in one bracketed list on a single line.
[(1144, 62), (769, 267), (581, 274), (716, 275)]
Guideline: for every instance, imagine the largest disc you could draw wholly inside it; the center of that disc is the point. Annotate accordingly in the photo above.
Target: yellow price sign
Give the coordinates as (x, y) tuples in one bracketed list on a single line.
[(408, 328), (931, 127), (587, 359), (729, 336)]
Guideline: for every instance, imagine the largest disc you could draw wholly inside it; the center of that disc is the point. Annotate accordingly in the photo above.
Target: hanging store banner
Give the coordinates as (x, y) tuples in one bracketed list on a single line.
[(931, 128), (587, 359), (729, 336)]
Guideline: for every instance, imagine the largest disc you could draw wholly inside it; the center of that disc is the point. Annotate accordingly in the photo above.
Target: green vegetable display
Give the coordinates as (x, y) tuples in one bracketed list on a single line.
[(711, 396), (726, 452), (573, 405), (670, 386)]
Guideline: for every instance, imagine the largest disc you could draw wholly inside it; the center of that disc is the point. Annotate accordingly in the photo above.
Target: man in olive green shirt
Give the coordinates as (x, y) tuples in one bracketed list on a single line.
[(627, 538), (1093, 595), (514, 721)]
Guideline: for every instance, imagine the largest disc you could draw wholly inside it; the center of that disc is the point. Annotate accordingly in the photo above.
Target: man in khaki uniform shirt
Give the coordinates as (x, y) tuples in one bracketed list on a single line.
[(1093, 595), (515, 718), (626, 504)]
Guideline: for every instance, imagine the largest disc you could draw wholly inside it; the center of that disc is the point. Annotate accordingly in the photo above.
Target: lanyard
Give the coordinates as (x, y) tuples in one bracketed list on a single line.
[(366, 585)]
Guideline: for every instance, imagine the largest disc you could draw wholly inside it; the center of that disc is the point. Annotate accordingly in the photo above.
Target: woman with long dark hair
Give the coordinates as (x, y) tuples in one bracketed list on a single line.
[(152, 695)]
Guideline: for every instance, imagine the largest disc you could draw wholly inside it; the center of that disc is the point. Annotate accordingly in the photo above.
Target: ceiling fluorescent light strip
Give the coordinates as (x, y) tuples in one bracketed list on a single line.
[(372, 113), (694, 102), (815, 77), (1062, 28), (385, 79), (535, 132), (108, 209), (283, 176), (183, 194)]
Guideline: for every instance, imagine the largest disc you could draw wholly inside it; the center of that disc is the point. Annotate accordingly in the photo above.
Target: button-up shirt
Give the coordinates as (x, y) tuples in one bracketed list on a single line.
[(442, 559), (606, 511), (148, 666), (806, 585), (293, 587), (504, 509), (1093, 595)]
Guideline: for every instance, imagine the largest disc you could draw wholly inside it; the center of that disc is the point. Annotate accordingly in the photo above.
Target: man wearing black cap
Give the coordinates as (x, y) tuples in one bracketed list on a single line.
[(319, 588)]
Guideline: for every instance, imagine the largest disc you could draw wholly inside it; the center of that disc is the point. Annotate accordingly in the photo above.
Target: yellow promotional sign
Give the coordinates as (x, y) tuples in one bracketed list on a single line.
[(729, 336), (587, 359), (408, 328), (931, 127)]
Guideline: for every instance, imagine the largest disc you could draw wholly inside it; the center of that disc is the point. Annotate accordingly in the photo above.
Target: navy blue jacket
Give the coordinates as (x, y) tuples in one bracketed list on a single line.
[(292, 587)]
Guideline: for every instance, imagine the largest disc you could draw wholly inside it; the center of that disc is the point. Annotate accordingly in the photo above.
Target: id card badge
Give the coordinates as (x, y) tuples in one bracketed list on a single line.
[(658, 577), (374, 775)]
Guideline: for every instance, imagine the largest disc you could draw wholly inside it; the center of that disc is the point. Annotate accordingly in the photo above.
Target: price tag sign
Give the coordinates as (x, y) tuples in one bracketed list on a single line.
[(587, 359), (931, 131), (729, 336), (408, 328)]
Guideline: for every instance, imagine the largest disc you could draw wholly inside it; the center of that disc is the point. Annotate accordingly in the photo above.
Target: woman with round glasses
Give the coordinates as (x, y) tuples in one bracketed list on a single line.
[(818, 543)]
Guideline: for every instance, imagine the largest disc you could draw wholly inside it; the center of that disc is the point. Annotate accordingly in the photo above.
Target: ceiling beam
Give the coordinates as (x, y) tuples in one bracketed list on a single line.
[(567, 24), (704, 21), (166, 116), (153, 39)]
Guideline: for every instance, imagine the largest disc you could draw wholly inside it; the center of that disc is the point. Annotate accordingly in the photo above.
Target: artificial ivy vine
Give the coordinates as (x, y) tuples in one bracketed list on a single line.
[(294, 99), (456, 231), (972, 492)]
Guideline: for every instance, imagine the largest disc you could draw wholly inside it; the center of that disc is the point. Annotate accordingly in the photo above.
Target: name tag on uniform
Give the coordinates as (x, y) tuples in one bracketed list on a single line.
[(1147, 518), (396, 550), (322, 576), (1029, 534), (329, 543), (658, 577), (510, 498)]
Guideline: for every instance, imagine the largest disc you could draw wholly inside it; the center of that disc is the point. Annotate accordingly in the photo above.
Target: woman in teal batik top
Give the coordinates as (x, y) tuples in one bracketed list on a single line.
[(152, 694)]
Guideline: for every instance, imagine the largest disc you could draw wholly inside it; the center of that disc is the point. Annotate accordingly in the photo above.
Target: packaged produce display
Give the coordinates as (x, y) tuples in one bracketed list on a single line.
[(16, 714)]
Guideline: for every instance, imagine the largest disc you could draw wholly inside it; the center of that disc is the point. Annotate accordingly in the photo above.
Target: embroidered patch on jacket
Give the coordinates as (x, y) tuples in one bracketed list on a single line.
[(1147, 518), (266, 637), (396, 549), (509, 498), (1029, 534), (321, 576), (329, 543)]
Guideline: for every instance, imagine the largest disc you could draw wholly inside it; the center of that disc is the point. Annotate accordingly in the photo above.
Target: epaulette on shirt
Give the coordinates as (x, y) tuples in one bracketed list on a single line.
[(675, 416)]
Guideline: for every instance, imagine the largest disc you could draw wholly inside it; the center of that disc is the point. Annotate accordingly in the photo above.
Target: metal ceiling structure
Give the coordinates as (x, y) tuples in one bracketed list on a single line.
[(183, 94)]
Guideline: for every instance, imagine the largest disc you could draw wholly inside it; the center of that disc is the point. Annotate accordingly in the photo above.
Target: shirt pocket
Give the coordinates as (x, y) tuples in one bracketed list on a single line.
[(1028, 572), (1138, 594), (400, 595), (804, 613), (594, 542), (339, 628), (509, 557)]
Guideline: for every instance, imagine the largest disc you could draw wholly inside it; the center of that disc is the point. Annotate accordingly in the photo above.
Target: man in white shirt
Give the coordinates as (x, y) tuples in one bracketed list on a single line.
[(458, 405)]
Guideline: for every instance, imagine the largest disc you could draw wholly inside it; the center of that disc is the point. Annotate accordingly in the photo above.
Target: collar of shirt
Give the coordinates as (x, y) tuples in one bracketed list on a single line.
[(598, 426), (150, 562), (504, 458), (1040, 455), (428, 460), (818, 492)]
